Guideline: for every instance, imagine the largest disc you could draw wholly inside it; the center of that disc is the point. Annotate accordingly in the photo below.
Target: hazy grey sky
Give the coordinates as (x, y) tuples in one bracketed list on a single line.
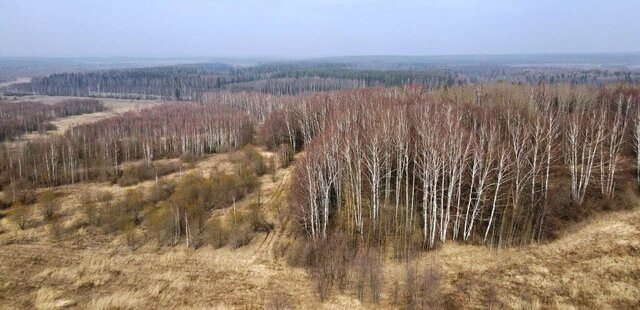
[(303, 28)]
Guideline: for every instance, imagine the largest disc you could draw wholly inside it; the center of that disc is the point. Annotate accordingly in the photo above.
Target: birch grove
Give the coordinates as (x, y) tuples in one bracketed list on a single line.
[(170, 130), (478, 168)]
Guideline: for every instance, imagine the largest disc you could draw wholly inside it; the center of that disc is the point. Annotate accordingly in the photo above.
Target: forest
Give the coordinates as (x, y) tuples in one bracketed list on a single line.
[(468, 164), (190, 82), (464, 164)]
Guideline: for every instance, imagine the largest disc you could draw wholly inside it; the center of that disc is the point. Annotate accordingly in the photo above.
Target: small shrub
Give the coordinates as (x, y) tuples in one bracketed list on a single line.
[(21, 191), (4, 204), (299, 254), (131, 236), (133, 204), (272, 167), (161, 190), (430, 287), (135, 173), (245, 224), (285, 154), (410, 289), (256, 220), (90, 210), (242, 235), (369, 270), (20, 215), (253, 160), (48, 204), (55, 229), (329, 261), (279, 301), (115, 217), (247, 181), (195, 218), (161, 224), (50, 127), (189, 159), (103, 196), (217, 233)]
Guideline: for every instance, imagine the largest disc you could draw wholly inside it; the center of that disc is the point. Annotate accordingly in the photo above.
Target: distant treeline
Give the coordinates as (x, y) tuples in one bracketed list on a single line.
[(190, 82)]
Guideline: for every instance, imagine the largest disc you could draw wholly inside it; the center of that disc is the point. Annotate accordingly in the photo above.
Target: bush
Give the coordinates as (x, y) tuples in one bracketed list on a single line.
[(113, 218), (300, 254), (247, 180), (135, 173), (258, 164), (21, 191), (117, 217), (423, 290), (4, 204), (430, 287), (20, 215), (91, 212), (161, 190), (279, 301), (195, 218), (217, 233), (70, 107), (161, 224), (48, 204), (55, 229), (103, 196), (251, 159), (285, 154), (328, 263), (133, 204), (369, 270), (245, 224), (242, 235)]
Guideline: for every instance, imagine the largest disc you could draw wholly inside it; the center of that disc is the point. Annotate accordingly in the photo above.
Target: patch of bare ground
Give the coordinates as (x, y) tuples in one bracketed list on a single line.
[(595, 264)]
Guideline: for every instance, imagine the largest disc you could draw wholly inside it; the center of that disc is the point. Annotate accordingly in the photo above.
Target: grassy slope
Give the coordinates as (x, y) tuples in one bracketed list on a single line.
[(595, 264)]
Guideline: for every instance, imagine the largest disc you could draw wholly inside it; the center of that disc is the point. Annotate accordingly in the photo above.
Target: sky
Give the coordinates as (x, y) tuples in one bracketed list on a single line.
[(315, 28)]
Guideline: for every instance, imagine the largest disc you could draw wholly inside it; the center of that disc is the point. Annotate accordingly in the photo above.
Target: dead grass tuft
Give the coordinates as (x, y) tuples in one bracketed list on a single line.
[(48, 298), (117, 300)]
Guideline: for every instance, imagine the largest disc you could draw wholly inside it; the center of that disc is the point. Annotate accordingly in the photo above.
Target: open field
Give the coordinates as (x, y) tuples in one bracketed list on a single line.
[(115, 107), (17, 81)]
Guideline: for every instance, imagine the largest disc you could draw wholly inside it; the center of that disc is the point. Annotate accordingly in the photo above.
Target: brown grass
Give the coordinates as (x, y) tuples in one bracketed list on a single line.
[(594, 264)]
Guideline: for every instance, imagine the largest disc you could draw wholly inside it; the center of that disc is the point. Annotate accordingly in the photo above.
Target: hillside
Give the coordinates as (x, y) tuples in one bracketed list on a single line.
[(597, 264)]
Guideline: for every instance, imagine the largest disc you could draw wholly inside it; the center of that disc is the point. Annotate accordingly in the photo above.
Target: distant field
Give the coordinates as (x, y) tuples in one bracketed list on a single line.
[(17, 81), (115, 106)]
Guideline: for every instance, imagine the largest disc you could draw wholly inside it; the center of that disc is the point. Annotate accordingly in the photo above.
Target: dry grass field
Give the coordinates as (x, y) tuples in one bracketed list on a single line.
[(17, 81), (115, 107), (595, 264)]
